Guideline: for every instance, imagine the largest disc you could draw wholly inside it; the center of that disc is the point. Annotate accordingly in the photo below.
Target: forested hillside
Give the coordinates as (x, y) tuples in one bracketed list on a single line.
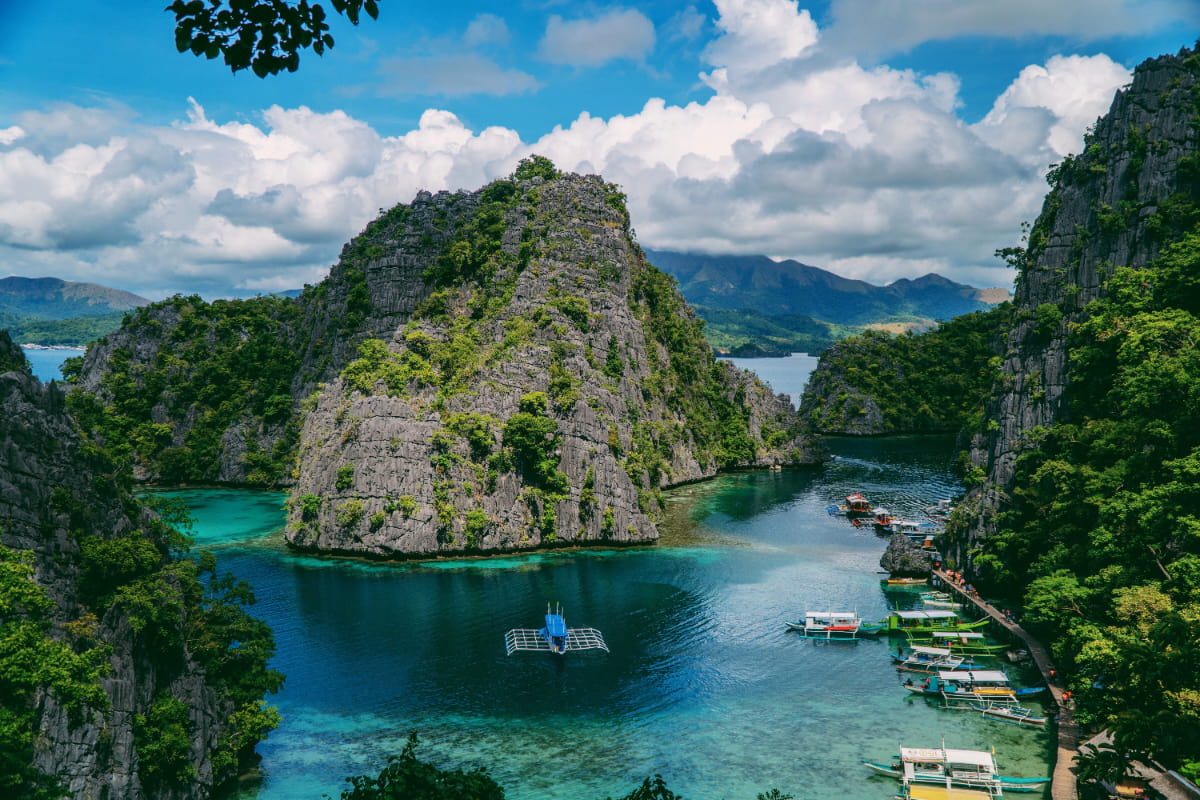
[(1084, 506)]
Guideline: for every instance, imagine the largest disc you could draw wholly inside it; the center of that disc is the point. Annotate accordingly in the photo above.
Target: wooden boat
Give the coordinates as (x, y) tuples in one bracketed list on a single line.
[(907, 581), (554, 637), (986, 687), (952, 768), (969, 643), (834, 625), (1010, 713), (925, 622), (857, 505), (939, 600), (928, 660)]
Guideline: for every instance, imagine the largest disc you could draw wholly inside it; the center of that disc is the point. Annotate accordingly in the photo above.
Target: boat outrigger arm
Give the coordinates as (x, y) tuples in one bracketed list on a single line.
[(555, 637)]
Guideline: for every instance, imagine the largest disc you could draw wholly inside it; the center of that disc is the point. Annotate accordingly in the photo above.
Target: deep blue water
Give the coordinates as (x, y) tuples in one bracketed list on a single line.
[(46, 364), (704, 684)]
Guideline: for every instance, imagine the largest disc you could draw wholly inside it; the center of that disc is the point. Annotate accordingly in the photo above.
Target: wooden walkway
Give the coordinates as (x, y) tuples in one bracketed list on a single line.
[(1062, 787)]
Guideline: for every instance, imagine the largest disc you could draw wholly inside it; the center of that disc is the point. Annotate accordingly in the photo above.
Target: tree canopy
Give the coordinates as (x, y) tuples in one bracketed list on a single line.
[(264, 35)]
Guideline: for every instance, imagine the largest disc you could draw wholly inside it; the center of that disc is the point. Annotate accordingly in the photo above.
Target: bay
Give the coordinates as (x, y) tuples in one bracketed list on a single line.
[(703, 684), (47, 364), (786, 375)]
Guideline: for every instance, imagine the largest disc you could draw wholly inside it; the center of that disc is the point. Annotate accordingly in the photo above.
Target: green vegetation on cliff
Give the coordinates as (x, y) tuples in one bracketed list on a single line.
[(218, 363), (1104, 523), (933, 381)]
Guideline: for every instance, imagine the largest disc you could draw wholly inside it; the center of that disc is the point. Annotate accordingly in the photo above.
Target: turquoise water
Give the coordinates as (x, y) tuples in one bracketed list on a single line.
[(704, 684)]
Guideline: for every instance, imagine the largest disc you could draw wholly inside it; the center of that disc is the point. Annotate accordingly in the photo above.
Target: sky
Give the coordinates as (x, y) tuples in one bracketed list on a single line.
[(878, 139)]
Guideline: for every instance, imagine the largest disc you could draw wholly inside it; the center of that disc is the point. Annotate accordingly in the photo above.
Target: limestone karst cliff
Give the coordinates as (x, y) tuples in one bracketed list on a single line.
[(1131, 191), (481, 371), (120, 676)]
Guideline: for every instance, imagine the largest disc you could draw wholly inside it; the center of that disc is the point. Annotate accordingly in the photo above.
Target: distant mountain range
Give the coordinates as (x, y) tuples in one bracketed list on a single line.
[(775, 288), (52, 311), (54, 298)]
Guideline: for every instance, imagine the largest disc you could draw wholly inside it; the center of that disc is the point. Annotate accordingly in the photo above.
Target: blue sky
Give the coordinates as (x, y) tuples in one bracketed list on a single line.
[(877, 138)]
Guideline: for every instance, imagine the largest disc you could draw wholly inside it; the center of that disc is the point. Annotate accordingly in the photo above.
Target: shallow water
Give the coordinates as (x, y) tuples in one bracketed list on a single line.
[(704, 684)]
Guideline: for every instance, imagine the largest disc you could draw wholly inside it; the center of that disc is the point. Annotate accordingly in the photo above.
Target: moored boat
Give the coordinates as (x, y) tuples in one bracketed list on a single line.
[(926, 621), (834, 625), (928, 660), (1010, 713), (858, 505), (968, 643), (903, 581), (946, 767), (986, 687)]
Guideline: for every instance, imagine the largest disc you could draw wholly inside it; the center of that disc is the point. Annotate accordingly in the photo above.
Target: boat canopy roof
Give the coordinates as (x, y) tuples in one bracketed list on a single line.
[(556, 625), (831, 615), (931, 651), (925, 755), (977, 758), (927, 614), (974, 676), (957, 635)]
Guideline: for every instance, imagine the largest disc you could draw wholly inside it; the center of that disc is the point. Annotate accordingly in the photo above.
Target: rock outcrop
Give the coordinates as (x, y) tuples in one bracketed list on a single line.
[(903, 558), (66, 509), (483, 371), (1114, 204)]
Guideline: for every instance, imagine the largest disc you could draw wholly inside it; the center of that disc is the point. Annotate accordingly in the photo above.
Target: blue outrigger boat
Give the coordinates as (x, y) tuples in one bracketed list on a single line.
[(554, 637), (951, 768)]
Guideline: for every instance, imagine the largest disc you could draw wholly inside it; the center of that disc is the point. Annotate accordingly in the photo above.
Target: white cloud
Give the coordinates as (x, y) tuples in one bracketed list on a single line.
[(616, 34), (687, 23), (1074, 89), (760, 33), (486, 29), (865, 170), (891, 26), (454, 75)]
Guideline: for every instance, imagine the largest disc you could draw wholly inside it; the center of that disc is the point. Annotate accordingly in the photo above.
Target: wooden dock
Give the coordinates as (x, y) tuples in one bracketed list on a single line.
[(1063, 785)]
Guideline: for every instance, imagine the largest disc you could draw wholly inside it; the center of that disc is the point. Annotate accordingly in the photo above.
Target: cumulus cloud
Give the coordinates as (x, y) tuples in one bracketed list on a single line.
[(865, 170), (890, 26), (454, 75), (486, 29), (618, 33)]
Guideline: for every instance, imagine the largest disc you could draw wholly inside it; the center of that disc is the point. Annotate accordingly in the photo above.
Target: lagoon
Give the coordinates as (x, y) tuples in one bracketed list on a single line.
[(704, 684)]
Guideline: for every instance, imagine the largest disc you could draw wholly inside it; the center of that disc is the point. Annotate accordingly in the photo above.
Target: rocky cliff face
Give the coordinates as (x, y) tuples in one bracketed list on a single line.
[(62, 503), (1115, 204), (481, 371)]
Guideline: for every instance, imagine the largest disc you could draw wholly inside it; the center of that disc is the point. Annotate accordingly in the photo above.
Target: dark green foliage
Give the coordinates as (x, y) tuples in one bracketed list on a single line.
[(264, 35), (345, 477), (1104, 523), (32, 660), (73, 332), (224, 362), (536, 167), (934, 381), (163, 739), (408, 778), (532, 438), (11, 357), (736, 332)]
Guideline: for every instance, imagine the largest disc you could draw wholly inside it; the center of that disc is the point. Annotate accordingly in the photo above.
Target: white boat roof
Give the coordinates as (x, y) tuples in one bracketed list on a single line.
[(978, 758), (957, 635), (934, 614), (934, 755), (931, 651), (924, 754), (975, 676), (832, 614)]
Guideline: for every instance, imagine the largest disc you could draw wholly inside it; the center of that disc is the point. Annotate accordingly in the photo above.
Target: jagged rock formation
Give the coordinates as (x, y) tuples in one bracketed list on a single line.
[(1115, 204), (482, 371), (65, 508), (903, 558)]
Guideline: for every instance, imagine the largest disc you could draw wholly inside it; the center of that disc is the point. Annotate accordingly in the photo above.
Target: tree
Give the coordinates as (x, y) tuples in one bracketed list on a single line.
[(264, 35)]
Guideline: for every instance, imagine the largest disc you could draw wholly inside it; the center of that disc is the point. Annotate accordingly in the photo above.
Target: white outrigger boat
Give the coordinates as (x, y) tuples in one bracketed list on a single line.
[(952, 771), (834, 625), (929, 660)]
